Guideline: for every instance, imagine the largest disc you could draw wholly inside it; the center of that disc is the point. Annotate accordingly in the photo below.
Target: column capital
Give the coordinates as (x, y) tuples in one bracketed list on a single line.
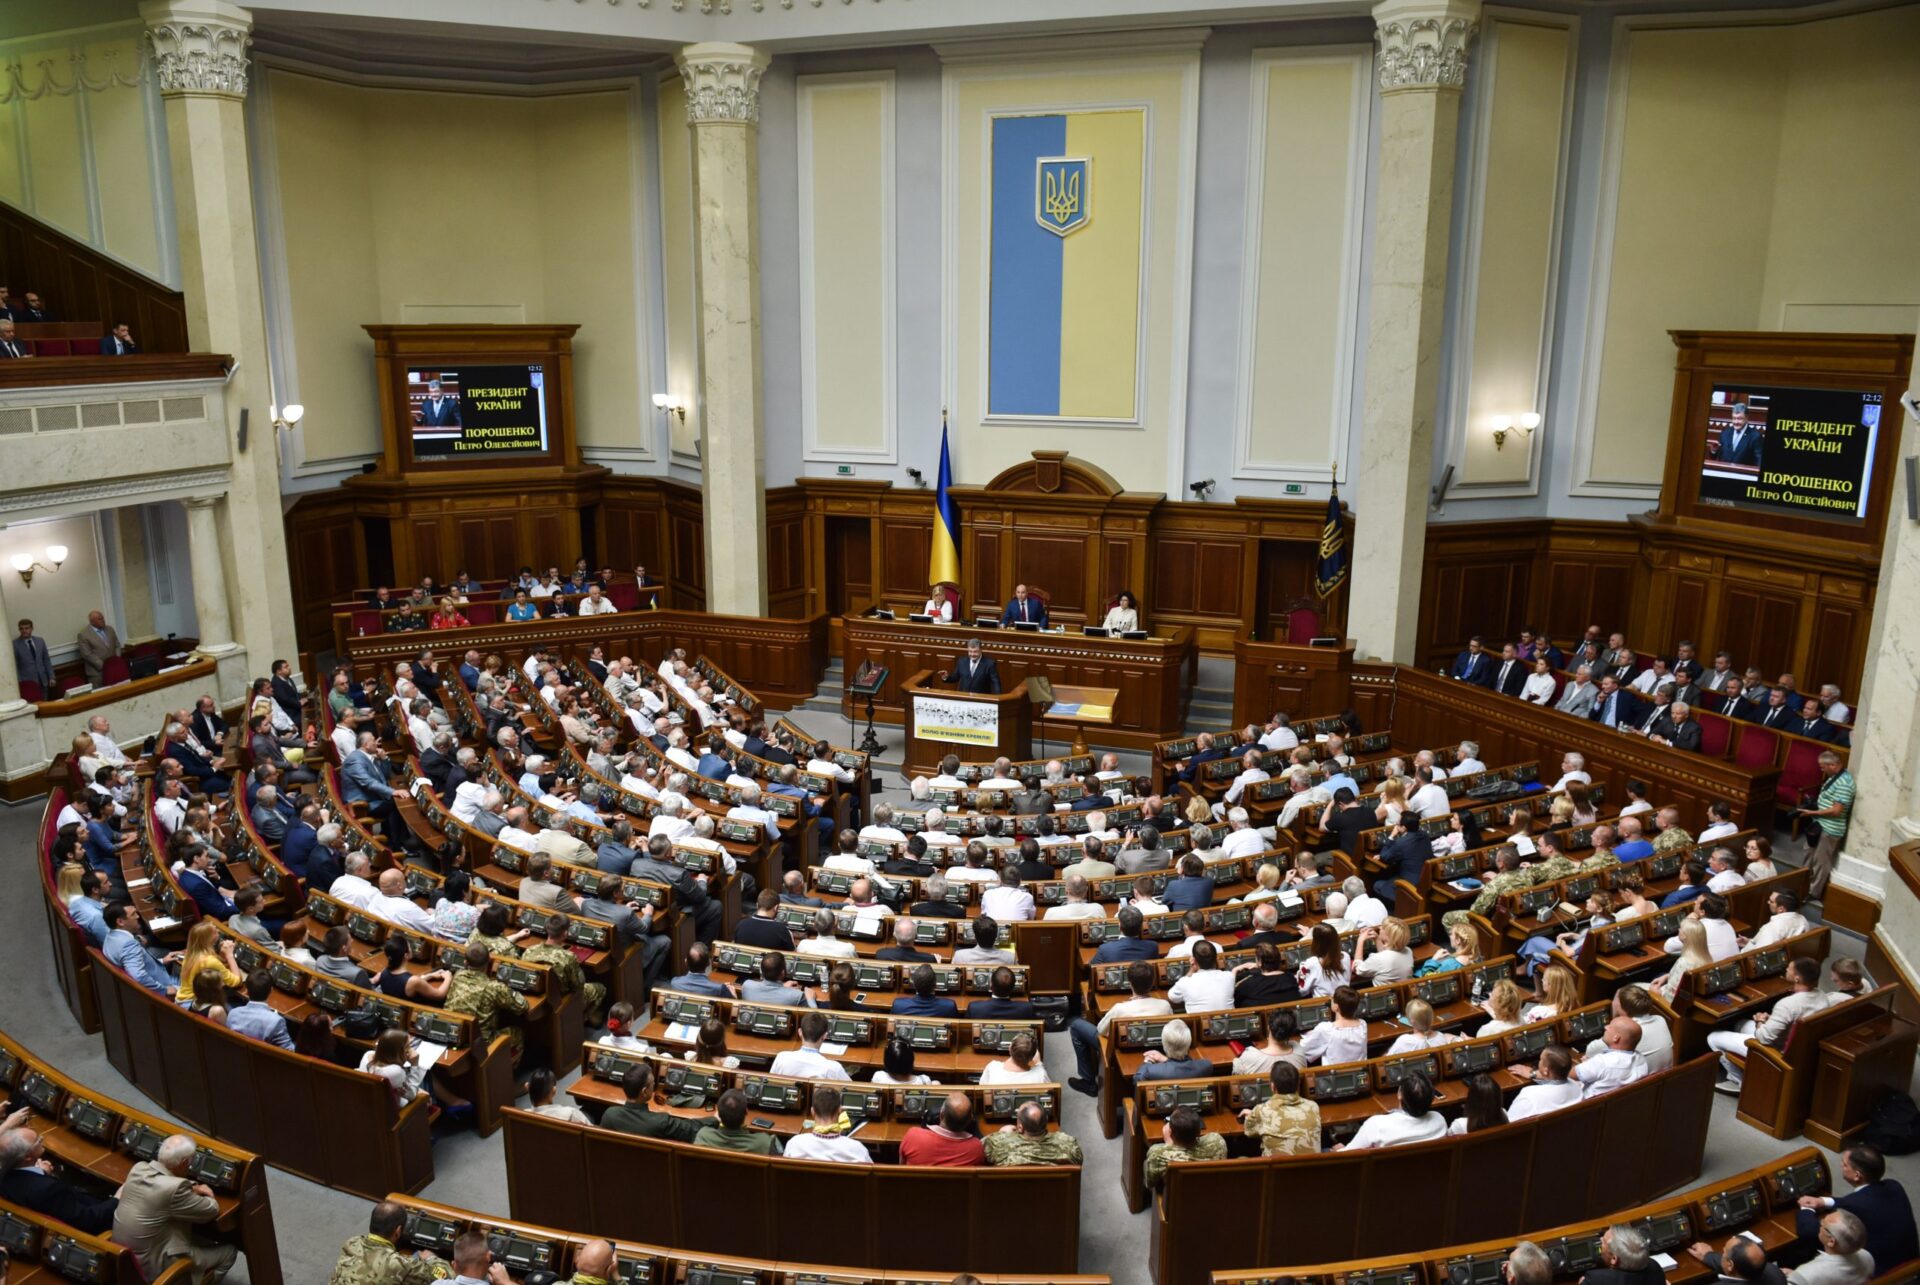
[(722, 82), (201, 501), (1423, 43), (199, 46)]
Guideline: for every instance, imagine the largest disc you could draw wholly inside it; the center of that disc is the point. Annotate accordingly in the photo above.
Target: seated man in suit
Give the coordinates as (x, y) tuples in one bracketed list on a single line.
[(1474, 665), (1813, 723), (1877, 1200), (1628, 1259), (1024, 609), (1193, 890), (1001, 1005), (975, 671), (1682, 731), (1843, 1258), (1510, 675), (119, 342), (1616, 706), (27, 1178), (923, 1002), (1741, 1260), (903, 951), (1204, 752)]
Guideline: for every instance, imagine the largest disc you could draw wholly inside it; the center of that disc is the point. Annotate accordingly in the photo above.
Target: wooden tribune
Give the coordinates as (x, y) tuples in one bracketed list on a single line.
[(1004, 725)]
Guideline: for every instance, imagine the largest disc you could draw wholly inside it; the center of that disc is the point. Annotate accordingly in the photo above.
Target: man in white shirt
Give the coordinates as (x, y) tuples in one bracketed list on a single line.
[(1719, 822), (949, 775), (1573, 767), (1003, 777), (823, 942), (1194, 924), (1250, 773), (519, 832), (1656, 1040), (1109, 769), (1242, 839), (807, 1062), (1077, 905), (1552, 1086), (1722, 942), (1279, 734), (822, 1140), (1467, 759), (595, 603), (1206, 987), (881, 828), (678, 753), (1306, 797), (105, 748), (1414, 1120), (672, 818), (1424, 758), (170, 809), (391, 903), (1721, 876), (1008, 902), (346, 734), (975, 870), (1429, 799), (1832, 708), (1364, 910), (748, 809), (1621, 1063), (933, 830), (470, 798), (1783, 921), (850, 862), (1770, 1026), (354, 887)]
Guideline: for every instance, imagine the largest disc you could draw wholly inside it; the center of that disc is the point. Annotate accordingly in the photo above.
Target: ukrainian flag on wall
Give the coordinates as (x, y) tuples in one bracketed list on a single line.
[(1064, 312)]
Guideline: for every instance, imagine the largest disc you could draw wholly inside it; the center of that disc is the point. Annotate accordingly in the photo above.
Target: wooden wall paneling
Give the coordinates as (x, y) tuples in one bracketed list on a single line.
[(1837, 641), (1059, 564), (902, 557), (81, 284), (787, 583)]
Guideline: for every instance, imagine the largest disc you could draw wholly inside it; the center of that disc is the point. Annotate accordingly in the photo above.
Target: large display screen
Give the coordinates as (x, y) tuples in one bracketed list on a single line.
[(1801, 451), (477, 412)]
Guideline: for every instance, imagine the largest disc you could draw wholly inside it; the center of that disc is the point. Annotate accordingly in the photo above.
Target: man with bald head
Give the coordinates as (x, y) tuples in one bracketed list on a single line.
[(953, 1140)]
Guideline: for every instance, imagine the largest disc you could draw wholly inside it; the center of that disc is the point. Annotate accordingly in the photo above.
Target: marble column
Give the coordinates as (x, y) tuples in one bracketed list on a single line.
[(723, 112), (1422, 65), (209, 575), (199, 50), (1885, 760)]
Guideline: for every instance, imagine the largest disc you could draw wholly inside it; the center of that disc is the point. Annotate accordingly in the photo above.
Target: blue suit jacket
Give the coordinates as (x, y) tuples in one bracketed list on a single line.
[(1883, 1206), (614, 859), (714, 766), (1123, 950), (297, 847), (932, 1006), (1475, 669), (1628, 709), (211, 900), (1188, 892), (100, 850), (1002, 1010), (366, 783), (1681, 896), (190, 762), (470, 676), (1192, 769), (1036, 611), (1404, 857)]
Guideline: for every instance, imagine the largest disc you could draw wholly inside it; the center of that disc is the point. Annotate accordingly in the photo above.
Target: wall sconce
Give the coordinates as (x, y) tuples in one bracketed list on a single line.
[(1504, 424), (26, 566), (668, 402), (287, 416)]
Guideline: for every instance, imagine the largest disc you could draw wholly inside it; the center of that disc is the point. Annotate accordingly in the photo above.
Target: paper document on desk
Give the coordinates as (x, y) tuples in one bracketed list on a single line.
[(682, 1032), (428, 1054), (138, 883), (1667, 1261), (833, 1050), (1523, 844), (160, 923), (1065, 709)]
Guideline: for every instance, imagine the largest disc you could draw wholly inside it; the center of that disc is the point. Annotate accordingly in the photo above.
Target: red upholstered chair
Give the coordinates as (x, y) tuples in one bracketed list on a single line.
[(1755, 747), (951, 592), (53, 347), (367, 622), (483, 613), (85, 347), (32, 691), (64, 685), (1800, 774), (114, 670), (1303, 624), (624, 594), (1559, 686), (1716, 731)]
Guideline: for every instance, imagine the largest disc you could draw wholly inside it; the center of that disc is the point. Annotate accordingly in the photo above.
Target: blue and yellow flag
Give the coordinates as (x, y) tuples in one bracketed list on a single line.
[(943, 559), (1333, 550)]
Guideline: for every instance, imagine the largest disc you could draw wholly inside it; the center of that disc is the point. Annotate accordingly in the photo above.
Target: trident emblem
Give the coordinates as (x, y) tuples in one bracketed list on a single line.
[(1063, 193)]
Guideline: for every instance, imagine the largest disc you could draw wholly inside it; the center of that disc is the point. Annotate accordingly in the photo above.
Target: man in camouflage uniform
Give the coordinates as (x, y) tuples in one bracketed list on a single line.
[(1604, 839), (1549, 862), (1507, 877), (1027, 1141), (564, 965), (491, 931), (1672, 834), (1181, 1141), (372, 1259), (480, 997), (592, 1264), (1286, 1123)]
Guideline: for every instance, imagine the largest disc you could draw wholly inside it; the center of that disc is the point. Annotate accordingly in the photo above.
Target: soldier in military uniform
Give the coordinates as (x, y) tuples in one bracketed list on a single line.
[(1027, 1141), (564, 966), (1549, 863), (1672, 834), (372, 1259), (473, 992), (592, 1264), (1286, 1123), (1507, 877), (1181, 1141)]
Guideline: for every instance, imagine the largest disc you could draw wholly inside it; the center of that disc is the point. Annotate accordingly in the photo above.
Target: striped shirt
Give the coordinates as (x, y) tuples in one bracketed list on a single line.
[(1838, 789)]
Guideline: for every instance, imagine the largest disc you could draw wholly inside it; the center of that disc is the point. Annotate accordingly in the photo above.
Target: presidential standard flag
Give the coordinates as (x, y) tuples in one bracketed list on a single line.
[(943, 559), (1333, 550)]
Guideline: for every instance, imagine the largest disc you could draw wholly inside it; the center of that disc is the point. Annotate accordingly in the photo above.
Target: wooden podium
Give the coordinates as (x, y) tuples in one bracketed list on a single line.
[(978, 726)]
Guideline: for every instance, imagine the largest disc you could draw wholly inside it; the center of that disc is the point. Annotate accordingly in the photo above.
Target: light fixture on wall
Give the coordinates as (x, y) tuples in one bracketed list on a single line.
[(673, 405), (1504, 424), (287, 416), (24, 562)]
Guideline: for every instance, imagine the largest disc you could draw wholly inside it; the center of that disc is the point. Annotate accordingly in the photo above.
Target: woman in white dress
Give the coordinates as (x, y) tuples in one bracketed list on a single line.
[(938, 607), (1123, 616), (1539, 688)]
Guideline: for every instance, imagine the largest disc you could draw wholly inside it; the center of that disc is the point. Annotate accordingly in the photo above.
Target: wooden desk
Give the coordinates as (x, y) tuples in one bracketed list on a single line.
[(190, 672), (1152, 675), (1083, 707), (1269, 676), (1857, 1068), (946, 720)]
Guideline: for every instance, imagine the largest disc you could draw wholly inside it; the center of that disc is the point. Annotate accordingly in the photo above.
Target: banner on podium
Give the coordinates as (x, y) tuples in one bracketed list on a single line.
[(936, 718)]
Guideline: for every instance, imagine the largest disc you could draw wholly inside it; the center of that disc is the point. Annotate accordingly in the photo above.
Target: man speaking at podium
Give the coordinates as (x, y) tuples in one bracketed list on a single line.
[(975, 671), (1023, 610)]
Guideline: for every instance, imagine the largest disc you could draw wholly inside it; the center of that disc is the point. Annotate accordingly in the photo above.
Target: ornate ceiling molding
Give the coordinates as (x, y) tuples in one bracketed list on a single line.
[(14, 86)]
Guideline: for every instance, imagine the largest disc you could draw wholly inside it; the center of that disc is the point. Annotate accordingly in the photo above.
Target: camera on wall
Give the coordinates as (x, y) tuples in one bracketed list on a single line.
[(919, 478), (1200, 489)]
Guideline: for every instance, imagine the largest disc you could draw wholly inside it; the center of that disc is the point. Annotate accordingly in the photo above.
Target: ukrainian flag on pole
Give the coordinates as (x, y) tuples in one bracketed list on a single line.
[(943, 560)]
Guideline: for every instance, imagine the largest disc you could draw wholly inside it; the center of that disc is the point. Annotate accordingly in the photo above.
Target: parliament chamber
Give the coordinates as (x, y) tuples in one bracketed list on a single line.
[(970, 641)]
